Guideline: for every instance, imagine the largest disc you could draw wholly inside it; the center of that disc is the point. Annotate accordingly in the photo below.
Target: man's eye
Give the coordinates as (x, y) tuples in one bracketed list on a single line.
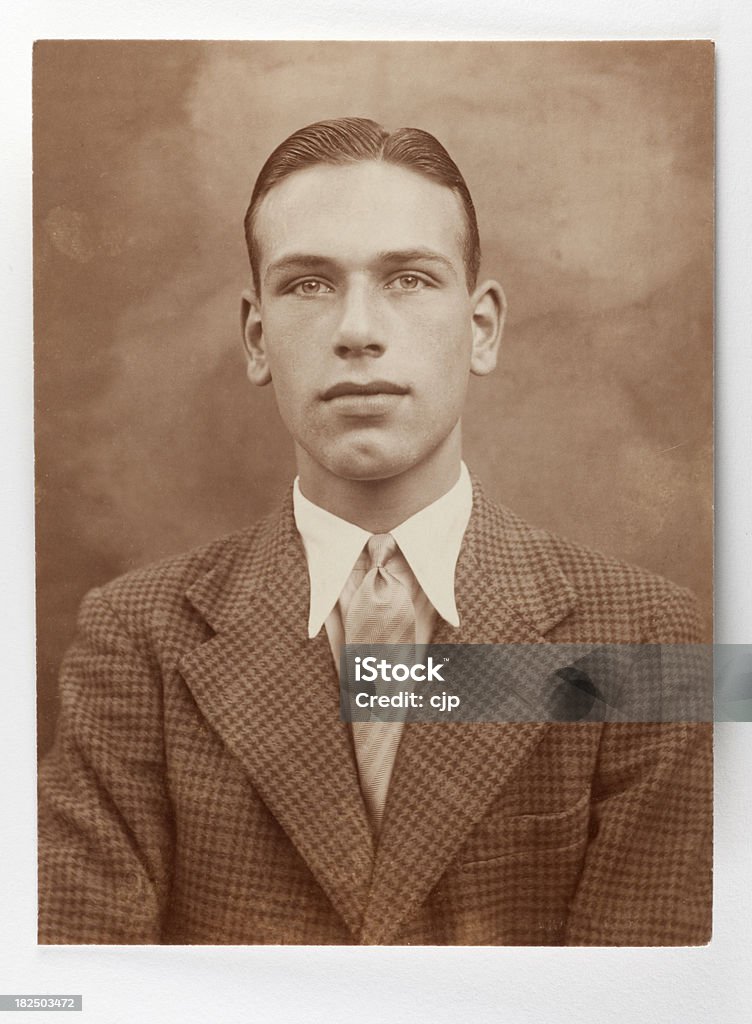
[(407, 283), (311, 287)]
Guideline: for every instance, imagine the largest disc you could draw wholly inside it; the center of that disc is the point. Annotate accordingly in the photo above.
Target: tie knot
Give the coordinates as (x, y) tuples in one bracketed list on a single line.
[(381, 547)]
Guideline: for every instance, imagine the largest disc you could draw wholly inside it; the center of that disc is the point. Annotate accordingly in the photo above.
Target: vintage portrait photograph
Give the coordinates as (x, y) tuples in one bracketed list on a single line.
[(368, 343)]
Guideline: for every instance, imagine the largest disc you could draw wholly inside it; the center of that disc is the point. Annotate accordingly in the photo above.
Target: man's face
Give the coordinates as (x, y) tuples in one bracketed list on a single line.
[(364, 319)]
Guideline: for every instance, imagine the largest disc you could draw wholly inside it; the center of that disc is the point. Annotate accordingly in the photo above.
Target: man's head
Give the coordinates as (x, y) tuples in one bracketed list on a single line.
[(351, 140), (364, 310)]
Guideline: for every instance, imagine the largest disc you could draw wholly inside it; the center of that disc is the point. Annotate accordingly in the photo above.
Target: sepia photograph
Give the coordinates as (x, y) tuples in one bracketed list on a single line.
[(367, 343)]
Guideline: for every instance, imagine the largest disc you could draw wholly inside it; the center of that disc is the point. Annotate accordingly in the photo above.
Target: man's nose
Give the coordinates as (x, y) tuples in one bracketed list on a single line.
[(359, 331)]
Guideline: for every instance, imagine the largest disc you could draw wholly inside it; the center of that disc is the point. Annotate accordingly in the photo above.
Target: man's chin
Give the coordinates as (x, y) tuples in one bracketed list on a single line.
[(363, 471), (373, 464), (366, 459)]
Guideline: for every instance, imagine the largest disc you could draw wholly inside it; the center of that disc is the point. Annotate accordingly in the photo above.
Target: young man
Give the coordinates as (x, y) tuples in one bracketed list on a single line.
[(203, 788)]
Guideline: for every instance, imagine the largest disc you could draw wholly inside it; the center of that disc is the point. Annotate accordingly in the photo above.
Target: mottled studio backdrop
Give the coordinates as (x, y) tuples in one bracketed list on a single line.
[(591, 169)]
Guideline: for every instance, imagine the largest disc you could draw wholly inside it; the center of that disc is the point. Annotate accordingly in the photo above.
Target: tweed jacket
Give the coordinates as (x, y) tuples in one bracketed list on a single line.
[(203, 789)]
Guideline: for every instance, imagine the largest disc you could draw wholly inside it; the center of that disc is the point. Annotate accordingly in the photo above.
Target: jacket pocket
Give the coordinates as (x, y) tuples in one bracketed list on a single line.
[(515, 878), (499, 835)]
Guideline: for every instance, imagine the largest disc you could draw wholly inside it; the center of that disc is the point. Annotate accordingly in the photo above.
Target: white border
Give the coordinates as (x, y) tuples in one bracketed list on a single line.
[(332, 984)]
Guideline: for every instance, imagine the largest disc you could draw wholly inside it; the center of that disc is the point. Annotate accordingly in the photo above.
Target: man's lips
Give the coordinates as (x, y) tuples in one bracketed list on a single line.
[(374, 387)]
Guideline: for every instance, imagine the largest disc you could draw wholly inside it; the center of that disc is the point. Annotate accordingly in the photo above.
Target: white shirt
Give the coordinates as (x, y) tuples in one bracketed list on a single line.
[(428, 547)]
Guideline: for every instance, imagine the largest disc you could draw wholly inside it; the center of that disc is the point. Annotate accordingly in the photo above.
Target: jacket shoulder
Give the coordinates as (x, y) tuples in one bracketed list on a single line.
[(637, 600), (611, 598), (154, 598)]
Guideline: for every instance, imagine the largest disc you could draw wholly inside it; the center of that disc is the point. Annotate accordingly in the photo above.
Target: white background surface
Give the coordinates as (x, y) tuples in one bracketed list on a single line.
[(519, 985)]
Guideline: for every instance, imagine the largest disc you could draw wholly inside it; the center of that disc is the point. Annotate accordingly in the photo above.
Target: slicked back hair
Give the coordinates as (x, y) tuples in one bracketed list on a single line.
[(349, 140)]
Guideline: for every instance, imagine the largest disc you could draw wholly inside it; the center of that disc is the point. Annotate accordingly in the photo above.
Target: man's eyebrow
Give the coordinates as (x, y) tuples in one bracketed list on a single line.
[(298, 262), (416, 256)]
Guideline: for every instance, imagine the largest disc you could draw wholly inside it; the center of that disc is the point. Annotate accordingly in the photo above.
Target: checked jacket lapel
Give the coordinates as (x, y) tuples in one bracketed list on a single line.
[(272, 695)]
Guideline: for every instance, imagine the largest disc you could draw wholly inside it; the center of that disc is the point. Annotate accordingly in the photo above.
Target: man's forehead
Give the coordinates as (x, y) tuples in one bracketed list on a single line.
[(365, 207)]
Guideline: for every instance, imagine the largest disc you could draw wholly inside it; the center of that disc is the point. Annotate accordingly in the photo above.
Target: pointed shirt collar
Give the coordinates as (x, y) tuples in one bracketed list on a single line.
[(430, 541)]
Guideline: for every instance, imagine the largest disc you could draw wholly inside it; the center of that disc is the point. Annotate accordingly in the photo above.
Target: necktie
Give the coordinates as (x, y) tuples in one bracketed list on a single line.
[(381, 612)]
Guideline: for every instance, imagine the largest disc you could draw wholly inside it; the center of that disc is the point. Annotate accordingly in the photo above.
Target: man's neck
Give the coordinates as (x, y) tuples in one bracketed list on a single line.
[(378, 506)]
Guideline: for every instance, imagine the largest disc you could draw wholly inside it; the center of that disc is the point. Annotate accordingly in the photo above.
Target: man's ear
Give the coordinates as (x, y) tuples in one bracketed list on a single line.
[(489, 306), (253, 340)]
